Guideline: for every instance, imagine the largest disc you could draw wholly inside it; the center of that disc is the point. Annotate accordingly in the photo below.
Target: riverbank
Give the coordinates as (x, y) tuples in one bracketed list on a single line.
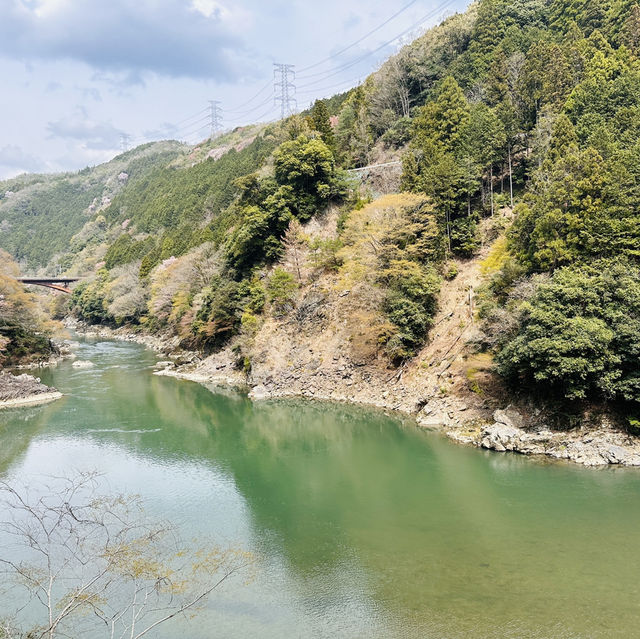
[(454, 403), (24, 390)]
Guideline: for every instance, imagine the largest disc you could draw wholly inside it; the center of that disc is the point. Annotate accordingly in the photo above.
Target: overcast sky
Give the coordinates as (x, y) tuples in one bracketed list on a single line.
[(77, 74)]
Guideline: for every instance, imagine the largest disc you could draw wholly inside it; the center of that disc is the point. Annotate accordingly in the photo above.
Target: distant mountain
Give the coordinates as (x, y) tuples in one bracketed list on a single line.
[(39, 214)]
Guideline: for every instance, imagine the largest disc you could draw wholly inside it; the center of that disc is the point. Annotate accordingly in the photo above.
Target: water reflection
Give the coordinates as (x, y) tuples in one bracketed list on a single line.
[(367, 526)]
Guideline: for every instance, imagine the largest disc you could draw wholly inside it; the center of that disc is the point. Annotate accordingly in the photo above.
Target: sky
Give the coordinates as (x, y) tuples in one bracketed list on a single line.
[(79, 74)]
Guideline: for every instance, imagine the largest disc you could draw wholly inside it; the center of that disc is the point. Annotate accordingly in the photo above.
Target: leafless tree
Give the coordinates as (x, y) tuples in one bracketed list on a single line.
[(82, 562), (295, 245)]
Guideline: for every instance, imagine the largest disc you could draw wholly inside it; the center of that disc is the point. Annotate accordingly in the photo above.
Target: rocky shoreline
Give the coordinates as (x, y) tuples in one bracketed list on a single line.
[(24, 390), (463, 417)]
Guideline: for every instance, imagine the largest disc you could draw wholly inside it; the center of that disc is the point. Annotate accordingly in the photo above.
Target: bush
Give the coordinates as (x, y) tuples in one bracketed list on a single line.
[(450, 271), (579, 334), (281, 290), (410, 305)]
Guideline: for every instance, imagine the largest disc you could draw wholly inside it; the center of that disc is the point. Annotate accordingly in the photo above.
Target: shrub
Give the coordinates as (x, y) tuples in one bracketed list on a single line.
[(281, 291), (579, 334), (451, 271)]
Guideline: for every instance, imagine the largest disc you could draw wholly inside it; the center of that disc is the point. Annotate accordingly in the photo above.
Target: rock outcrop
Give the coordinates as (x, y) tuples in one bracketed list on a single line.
[(588, 446), (18, 390)]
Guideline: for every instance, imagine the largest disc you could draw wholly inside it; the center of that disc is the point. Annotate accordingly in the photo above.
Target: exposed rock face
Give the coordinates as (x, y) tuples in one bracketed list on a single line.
[(509, 417), (24, 389), (590, 447)]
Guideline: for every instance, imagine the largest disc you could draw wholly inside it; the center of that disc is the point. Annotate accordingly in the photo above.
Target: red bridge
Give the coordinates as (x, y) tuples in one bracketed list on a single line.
[(56, 283)]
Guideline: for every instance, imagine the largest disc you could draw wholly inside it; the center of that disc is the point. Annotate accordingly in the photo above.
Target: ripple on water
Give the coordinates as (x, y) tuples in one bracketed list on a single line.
[(364, 525)]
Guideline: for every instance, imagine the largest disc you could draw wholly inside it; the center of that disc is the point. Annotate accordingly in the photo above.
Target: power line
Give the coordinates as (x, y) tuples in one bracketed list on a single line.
[(251, 99), (268, 100), (283, 84), (193, 117), (124, 142), (286, 86), (187, 134), (348, 65), (258, 118), (347, 84), (364, 37)]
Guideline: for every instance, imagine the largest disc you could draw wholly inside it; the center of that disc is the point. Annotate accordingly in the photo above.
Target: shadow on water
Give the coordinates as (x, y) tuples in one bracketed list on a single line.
[(438, 540)]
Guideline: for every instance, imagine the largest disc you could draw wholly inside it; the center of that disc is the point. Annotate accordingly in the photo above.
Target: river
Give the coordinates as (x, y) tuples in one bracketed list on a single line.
[(364, 525)]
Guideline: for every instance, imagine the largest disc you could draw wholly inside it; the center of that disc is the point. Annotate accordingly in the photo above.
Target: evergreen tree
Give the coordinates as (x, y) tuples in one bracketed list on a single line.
[(322, 123), (443, 119)]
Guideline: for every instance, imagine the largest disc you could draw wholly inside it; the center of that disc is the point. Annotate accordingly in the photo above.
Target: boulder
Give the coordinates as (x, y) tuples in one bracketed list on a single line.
[(509, 417), (433, 419), (501, 437), (259, 392)]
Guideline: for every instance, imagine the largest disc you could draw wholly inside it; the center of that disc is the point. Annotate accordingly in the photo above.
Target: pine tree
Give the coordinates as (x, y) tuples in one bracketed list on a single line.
[(322, 123), (563, 140), (443, 120)]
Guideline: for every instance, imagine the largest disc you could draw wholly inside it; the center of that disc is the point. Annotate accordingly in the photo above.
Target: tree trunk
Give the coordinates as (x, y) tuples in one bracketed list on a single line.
[(448, 232), (510, 178), (491, 187)]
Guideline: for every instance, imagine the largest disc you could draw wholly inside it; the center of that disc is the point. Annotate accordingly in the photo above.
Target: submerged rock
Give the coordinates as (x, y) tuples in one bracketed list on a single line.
[(82, 363)]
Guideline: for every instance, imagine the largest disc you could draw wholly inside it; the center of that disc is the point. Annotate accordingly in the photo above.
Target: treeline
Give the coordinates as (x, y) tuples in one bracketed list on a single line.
[(530, 106), (42, 213), (217, 224), (24, 334)]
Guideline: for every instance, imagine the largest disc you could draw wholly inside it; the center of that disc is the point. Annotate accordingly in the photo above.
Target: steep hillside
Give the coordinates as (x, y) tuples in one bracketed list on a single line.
[(516, 126), (39, 214)]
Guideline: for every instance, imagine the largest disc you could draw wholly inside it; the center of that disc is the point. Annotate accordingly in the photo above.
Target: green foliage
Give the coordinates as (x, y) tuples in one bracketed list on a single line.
[(46, 212), (410, 305), (396, 244), (88, 300), (321, 124), (223, 307), (453, 148), (167, 197), (451, 271), (281, 291), (218, 317), (325, 253), (125, 250), (444, 119), (464, 236), (307, 167), (306, 180), (579, 334), (577, 209)]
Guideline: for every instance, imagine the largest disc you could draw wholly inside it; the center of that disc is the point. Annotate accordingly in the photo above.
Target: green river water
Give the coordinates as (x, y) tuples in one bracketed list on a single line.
[(364, 525)]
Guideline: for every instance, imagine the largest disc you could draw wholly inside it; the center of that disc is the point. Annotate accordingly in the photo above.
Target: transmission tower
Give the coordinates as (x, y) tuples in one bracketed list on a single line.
[(215, 116), (124, 142), (283, 75)]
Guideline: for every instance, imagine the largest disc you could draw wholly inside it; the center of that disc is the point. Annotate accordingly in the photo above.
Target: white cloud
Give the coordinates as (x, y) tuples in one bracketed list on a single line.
[(166, 37), (14, 160), (92, 135)]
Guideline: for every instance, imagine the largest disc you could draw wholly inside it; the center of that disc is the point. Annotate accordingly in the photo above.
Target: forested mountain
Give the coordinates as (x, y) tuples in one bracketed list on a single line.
[(525, 113), (39, 214)]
